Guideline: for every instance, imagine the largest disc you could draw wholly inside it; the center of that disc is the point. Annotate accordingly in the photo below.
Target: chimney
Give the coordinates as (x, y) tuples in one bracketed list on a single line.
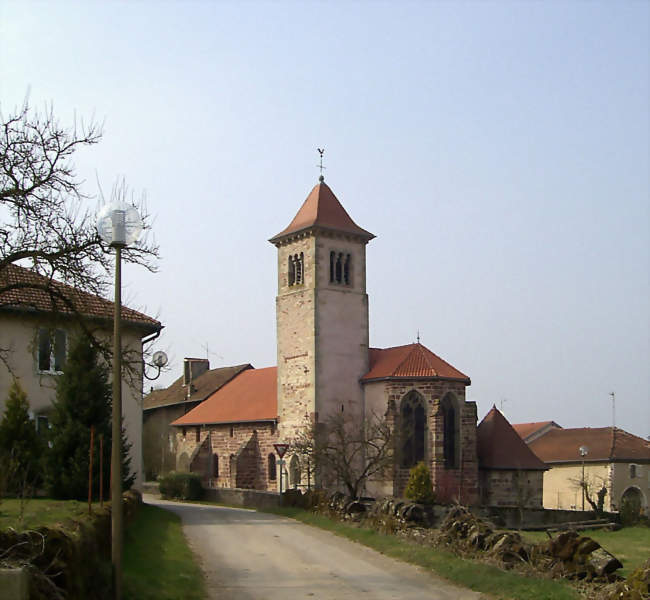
[(194, 368)]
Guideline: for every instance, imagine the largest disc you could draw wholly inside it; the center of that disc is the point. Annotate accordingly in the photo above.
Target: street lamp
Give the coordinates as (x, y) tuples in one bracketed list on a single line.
[(583, 450), (118, 225)]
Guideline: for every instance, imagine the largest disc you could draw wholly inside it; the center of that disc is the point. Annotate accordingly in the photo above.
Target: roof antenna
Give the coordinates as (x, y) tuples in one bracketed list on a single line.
[(320, 166)]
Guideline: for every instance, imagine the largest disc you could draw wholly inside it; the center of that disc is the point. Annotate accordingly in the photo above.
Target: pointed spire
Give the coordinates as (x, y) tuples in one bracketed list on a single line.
[(322, 210)]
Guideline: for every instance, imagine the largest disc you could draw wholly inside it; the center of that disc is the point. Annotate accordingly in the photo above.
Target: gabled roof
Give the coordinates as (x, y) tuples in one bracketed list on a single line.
[(250, 396), (201, 388), (409, 362), (603, 444), (38, 299), (529, 431), (322, 210), (499, 447)]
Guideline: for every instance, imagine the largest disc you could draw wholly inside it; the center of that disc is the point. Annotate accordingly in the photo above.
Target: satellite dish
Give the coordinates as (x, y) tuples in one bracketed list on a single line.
[(159, 359)]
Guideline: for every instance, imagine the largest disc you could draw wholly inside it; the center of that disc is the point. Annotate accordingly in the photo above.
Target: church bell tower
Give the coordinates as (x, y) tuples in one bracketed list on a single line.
[(321, 312)]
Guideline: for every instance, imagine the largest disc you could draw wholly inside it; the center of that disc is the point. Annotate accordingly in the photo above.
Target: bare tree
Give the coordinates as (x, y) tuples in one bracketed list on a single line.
[(45, 224), (595, 490), (347, 449)]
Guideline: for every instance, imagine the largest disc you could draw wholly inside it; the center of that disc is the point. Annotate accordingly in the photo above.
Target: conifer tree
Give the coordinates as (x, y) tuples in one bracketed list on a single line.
[(20, 445), (83, 400), (419, 487)]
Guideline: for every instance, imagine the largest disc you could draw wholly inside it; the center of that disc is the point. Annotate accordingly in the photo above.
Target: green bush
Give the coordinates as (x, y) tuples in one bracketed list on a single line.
[(419, 488), (181, 486)]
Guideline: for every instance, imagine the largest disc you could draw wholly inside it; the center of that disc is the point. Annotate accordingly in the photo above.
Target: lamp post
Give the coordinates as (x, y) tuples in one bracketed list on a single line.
[(583, 450), (118, 225)]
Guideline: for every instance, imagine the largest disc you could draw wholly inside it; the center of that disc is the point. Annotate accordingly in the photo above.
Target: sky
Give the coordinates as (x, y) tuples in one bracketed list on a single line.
[(498, 150)]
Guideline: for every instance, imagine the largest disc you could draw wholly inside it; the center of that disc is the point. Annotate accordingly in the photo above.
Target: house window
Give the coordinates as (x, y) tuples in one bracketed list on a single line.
[(634, 473), (232, 431), (450, 431), (51, 350), (184, 432), (340, 268), (296, 273), (271, 466), (412, 429), (215, 465), (197, 434)]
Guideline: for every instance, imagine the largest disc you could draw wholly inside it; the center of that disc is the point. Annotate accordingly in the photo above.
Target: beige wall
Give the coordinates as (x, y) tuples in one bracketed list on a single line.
[(562, 490), (19, 333)]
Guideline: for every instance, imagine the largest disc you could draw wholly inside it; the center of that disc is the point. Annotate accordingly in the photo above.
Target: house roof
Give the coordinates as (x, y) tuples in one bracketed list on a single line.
[(527, 430), (204, 385), (408, 362), (500, 447), (250, 396), (603, 443), (38, 299), (323, 210)]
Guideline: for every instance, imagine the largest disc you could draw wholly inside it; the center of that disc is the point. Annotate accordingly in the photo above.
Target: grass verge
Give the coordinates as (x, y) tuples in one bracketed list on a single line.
[(158, 564), (41, 512), (631, 545), (480, 577)]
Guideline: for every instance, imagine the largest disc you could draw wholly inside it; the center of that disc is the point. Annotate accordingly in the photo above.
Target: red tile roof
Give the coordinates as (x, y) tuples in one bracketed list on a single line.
[(499, 446), (37, 299), (250, 396), (603, 443), (408, 362), (204, 385), (525, 430), (323, 210)]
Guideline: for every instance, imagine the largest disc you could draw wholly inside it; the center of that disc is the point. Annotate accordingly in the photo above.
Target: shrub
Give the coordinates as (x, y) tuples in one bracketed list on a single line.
[(419, 488), (181, 486)]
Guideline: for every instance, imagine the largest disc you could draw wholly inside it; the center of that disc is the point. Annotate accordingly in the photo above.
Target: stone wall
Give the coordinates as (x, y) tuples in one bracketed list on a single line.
[(244, 498), (450, 484), (229, 455), (505, 487)]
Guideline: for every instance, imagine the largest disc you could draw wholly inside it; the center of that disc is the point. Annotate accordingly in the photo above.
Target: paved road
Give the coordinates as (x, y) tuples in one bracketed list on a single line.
[(248, 555)]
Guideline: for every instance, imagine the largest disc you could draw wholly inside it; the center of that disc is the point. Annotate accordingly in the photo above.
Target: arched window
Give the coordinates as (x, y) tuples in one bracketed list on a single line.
[(412, 429), (339, 268), (272, 470), (291, 278), (450, 431), (346, 270), (294, 471), (215, 465), (332, 265)]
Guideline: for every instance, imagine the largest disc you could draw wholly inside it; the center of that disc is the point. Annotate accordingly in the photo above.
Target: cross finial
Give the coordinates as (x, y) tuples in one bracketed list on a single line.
[(321, 151)]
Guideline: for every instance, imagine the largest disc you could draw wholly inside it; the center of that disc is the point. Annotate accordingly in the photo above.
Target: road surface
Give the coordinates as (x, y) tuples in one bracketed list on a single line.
[(248, 555)]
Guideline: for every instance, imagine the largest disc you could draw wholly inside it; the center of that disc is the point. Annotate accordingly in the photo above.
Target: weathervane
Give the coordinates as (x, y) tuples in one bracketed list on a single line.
[(320, 166)]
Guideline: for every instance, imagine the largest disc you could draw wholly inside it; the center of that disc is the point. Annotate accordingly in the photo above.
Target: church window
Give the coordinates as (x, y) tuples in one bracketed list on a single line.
[(340, 268), (450, 426), (272, 469), (633, 472), (413, 429), (294, 471), (215, 465), (296, 274)]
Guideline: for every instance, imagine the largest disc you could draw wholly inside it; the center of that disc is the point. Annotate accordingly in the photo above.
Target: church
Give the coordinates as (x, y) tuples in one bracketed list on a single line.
[(325, 366)]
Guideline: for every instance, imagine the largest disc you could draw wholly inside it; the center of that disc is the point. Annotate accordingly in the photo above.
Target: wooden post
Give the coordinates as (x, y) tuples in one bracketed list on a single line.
[(90, 470), (101, 470)]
